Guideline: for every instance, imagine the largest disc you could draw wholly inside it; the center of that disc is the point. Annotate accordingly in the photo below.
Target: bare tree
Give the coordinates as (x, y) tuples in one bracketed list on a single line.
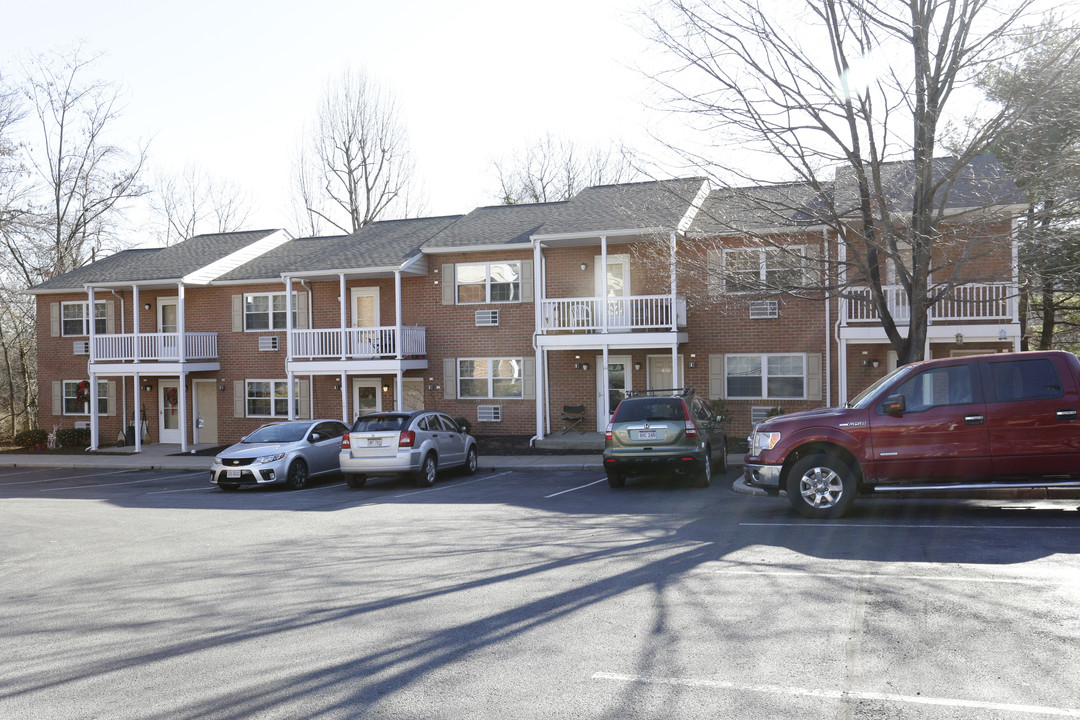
[(838, 93), (194, 202), (355, 166), (79, 180), (556, 169)]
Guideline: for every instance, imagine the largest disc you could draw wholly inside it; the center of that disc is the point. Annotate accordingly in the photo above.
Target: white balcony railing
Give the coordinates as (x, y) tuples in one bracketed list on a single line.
[(976, 301), (359, 343), (612, 314), (153, 347)]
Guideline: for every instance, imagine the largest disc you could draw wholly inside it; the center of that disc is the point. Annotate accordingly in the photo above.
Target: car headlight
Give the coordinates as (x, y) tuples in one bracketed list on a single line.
[(269, 458), (764, 441)]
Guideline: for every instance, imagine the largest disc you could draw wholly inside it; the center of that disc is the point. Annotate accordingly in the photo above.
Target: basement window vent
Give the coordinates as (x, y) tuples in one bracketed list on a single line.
[(489, 413), (487, 318), (764, 309), (268, 342), (82, 347)]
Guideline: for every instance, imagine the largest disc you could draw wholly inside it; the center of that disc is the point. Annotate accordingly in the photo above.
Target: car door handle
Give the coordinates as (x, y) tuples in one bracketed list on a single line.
[(974, 419), (1066, 415)]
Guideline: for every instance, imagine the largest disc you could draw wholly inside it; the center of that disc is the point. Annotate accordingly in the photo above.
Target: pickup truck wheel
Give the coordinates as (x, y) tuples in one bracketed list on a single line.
[(821, 486)]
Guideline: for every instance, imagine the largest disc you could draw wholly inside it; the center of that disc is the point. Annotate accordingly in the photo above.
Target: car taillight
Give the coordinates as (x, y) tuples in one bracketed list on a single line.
[(691, 429), (406, 439), (607, 432), (346, 444)]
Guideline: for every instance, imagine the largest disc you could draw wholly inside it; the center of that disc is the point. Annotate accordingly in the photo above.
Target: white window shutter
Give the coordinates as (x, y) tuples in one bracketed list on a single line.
[(54, 319), (448, 282), (238, 398), (449, 383), (110, 401), (238, 315), (301, 311), (813, 376), (110, 317), (527, 281), (717, 381), (304, 410), (57, 398), (529, 379)]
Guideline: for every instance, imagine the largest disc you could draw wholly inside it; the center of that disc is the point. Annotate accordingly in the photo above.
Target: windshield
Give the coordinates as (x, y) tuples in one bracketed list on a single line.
[(864, 398), (379, 423), (283, 433)]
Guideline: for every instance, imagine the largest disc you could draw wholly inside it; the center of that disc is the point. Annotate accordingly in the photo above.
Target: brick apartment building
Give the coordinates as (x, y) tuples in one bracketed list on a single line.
[(502, 316)]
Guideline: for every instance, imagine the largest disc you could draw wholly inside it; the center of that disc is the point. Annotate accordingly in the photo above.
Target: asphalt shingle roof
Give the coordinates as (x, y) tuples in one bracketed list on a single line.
[(629, 206), (119, 267), (495, 225)]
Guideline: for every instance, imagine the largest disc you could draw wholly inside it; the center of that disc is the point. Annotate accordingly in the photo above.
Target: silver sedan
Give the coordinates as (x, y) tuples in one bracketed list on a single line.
[(285, 452)]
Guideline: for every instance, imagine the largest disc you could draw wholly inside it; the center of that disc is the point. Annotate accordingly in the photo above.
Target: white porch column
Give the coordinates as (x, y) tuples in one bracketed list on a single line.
[(674, 287), (94, 433), (135, 329), (398, 330), (841, 367), (182, 404), (541, 390), (538, 293), (92, 322), (603, 292), (399, 394), (676, 381), (290, 383), (344, 332), (181, 340), (604, 406), (135, 411), (345, 399), (290, 380)]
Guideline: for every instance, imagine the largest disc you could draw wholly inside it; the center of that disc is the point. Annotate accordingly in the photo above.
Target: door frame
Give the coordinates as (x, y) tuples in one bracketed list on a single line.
[(357, 292), (167, 436), (614, 313), (196, 410), (354, 393), (601, 391)]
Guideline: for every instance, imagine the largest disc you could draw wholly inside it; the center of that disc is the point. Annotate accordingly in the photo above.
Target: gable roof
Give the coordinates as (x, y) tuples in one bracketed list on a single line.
[(653, 205), (118, 267), (494, 225)]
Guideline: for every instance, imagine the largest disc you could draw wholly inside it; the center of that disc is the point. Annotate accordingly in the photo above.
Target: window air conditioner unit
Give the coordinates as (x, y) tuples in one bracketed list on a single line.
[(82, 424), (759, 414), (82, 347), (764, 309), (268, 342), (489, 413), (487, 318)]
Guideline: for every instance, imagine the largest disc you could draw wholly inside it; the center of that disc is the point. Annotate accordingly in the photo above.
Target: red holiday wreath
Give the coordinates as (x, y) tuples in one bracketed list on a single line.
[(82, 392), (170, 397)]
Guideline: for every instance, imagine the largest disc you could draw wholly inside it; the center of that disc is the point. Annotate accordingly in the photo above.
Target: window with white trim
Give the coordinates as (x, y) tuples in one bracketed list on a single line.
[(73, 320), (266, 311), (484, 378), (766, 376), (77, 397), (493, 282), (763, 269), (270, 398)]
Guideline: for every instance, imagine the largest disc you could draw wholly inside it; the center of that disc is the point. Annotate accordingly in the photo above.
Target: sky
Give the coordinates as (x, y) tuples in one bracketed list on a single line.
[(229, 86)]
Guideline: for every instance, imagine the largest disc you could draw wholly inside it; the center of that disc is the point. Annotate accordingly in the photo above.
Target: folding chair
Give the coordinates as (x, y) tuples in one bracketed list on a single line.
[(572, 415)]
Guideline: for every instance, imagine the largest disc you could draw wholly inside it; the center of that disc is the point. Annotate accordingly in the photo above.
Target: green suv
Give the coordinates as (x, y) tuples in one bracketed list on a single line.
[(663, 430)]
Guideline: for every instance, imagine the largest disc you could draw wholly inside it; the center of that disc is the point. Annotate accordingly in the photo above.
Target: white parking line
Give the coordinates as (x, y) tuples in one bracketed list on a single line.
[(447, 487), (873, 576), (579, 487), (95, 485), (843, 695), (812, 524), (72, 477)]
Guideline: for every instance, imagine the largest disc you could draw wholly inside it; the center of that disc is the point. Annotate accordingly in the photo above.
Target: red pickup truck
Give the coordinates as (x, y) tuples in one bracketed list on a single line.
[(966, 423)]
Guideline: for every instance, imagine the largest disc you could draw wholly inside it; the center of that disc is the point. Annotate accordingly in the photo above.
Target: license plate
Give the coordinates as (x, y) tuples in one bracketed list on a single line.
[(646, 434), (374, 442), (233, 473)]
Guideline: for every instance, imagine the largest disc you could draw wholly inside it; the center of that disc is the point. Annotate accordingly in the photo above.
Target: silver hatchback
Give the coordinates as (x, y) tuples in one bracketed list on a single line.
[(418, 443), (285, 452)]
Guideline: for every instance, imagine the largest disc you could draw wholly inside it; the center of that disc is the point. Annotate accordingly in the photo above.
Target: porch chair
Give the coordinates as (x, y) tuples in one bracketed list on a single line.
[(572, 415)]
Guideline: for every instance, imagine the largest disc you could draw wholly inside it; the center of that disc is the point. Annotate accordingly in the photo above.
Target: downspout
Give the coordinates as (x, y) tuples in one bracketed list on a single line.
[(828, 319)]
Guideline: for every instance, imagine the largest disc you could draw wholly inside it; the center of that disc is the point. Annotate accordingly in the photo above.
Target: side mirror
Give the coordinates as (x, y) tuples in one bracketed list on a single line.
[(315, 437), (720, 417), (894, 405)]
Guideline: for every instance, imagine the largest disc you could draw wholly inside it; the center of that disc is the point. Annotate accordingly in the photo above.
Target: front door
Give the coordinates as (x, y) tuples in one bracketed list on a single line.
[(169, 411), (619, 382), (205, 411), (167, 347), (367, 396), (616, 289)]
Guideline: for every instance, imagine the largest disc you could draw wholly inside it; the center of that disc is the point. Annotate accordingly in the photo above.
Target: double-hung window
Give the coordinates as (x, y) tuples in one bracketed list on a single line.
[(74, 321), (493, 282), (766, 376), (763, 269), (77, 397), (269, 398), (266, 311), (484, 378)]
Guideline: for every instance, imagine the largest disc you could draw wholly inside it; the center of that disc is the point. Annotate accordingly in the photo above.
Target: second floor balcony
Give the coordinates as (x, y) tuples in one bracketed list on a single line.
[(631, 313), (964, 303), (153, 347), (359, 343)]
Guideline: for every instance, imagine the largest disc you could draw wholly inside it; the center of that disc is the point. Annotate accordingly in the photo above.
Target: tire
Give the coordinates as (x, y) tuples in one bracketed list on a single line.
[(356, 481), (228, 487), (616, 480), (722, 468), (425, 476), (703, 474), (471, 462), (297, 475), (820, 486)]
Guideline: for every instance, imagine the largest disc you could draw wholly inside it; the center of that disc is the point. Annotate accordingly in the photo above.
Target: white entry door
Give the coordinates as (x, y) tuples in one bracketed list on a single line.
[(169, 411), (620, 380), (167, 347), (616, 289), (366, 396)]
